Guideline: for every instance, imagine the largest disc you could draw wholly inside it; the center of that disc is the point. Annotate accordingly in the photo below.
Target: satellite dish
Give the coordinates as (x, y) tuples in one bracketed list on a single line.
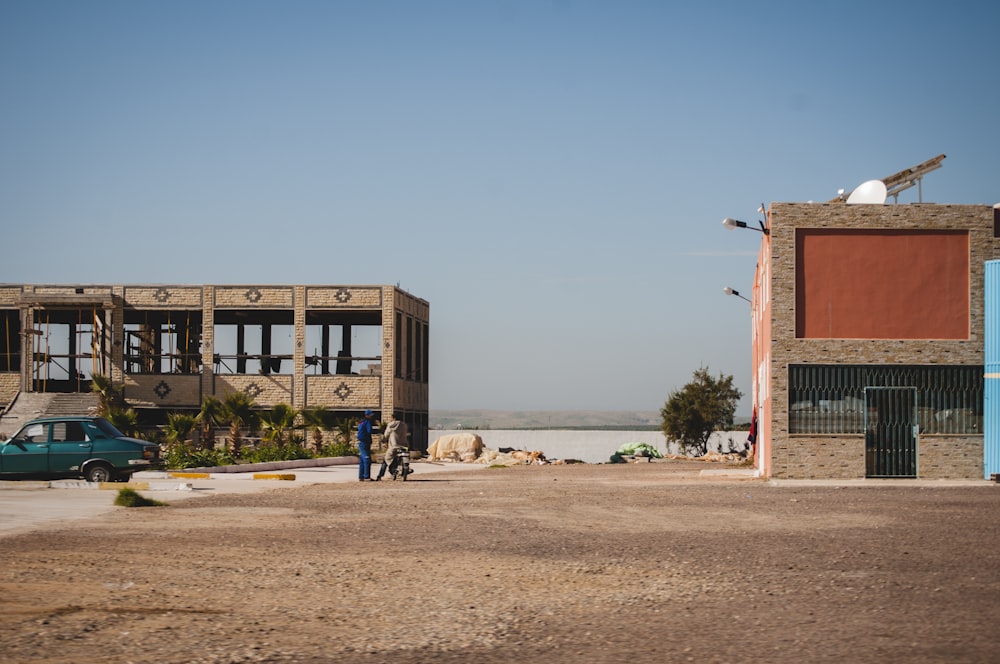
[(872, 192)]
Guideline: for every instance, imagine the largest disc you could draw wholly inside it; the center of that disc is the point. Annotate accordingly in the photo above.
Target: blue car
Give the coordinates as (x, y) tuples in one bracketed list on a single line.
[(88, 447)]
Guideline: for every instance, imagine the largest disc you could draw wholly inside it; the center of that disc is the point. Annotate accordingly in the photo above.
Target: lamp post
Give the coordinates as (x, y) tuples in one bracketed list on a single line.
[(730, 291), (733, 224)]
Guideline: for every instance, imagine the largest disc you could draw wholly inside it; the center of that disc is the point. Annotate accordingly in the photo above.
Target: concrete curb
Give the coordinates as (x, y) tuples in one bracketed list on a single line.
[(729, 473), (269, 466), (114, 486)]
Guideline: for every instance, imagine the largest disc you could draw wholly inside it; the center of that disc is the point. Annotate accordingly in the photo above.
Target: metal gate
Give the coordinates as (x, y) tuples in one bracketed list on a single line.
[(890, 432)]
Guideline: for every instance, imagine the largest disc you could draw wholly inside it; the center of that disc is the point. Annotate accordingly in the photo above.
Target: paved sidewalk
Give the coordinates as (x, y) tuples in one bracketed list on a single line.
[(28, 505)]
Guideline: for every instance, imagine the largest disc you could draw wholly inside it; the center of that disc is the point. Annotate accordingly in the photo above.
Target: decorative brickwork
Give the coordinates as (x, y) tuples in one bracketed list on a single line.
[(343, 297), (163, 297), (70, 290), (253, 297), (162, 391), (344, 392), (264, 390)]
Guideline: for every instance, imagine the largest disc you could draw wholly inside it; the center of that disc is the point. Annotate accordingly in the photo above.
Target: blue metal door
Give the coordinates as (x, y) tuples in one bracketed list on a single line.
[(991, 384), (890, 432)]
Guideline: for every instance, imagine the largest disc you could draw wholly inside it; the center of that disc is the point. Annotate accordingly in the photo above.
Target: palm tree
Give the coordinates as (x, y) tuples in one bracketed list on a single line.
[(211, 415), (178, 429), (239, 412), (316, 419), (345, 430), (125, 420), (279, 421), (109, 395)]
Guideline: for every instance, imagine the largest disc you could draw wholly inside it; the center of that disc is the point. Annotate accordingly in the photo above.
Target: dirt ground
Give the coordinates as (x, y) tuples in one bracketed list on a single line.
[(577, 563)]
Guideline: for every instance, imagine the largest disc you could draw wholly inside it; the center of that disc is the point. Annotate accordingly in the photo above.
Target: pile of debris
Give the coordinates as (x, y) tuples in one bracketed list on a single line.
[(710, 456), (507, 456), (469, 448)]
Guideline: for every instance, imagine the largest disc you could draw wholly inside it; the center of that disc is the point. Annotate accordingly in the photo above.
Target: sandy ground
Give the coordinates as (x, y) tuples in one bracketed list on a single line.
[(580, 563)]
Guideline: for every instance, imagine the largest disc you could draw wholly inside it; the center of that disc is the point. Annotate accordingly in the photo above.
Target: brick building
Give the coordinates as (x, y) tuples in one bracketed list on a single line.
[(868, 340), (347, 348)]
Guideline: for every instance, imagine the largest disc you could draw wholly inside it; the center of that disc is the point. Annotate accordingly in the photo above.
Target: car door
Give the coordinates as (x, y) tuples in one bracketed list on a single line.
[(69, 447), (27, 451)]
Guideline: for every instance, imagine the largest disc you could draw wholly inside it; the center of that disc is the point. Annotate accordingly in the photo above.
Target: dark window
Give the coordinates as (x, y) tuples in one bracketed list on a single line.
[(828, 399)]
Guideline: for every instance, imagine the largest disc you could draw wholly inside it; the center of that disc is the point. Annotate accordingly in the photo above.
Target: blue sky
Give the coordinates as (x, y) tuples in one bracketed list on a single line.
[(550, 176)]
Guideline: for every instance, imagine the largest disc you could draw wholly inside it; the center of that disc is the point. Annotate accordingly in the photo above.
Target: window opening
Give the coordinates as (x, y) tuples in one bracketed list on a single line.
[(829, 399)]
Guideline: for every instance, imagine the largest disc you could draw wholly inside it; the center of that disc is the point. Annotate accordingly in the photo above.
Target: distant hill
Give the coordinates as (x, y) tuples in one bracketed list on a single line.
[(621, 420), (545, 419)]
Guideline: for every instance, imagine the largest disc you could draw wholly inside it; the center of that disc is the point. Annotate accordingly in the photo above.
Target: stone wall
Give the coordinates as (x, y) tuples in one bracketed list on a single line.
[(163, 390), (344, 392), (10, 385)]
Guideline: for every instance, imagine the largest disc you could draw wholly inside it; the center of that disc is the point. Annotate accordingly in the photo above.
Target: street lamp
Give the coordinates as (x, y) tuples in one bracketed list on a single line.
[(733, 224), (729, 291)]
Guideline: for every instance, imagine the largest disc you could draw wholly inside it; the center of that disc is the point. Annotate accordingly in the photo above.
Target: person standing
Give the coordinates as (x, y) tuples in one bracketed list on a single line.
[(365, 447), (395, 434)]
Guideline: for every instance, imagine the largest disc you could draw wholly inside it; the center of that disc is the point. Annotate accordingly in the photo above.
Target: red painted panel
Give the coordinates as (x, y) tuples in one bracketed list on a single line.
[(881, 284)]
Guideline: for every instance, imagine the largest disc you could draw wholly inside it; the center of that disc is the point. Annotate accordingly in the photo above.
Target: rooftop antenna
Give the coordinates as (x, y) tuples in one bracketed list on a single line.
[(901, 181), (872, 192)]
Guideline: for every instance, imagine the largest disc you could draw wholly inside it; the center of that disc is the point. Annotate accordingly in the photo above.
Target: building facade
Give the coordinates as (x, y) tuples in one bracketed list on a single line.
[(868, 340), (347, 348)]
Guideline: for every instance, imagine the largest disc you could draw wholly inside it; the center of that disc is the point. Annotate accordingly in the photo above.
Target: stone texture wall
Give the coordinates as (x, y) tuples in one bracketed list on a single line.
[(843, 456), (163, 297), (343, 297), (10, 385), (208, 342), (947, 457), (163, 391), (266, 390), (345, 392), (9, 296), (299, 348), (821, 457), (250, 297)]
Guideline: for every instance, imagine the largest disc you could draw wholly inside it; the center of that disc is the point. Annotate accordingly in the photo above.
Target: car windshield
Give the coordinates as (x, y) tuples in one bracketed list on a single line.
[(108, 428)]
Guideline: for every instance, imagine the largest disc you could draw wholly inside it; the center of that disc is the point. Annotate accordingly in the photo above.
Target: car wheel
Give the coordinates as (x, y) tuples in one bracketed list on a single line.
[(98, 472)]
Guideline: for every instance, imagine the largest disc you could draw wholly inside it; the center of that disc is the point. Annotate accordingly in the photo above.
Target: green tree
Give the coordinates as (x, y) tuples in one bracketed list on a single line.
[(345, 429), (704, 405), (125, 420), (278, 422), (211, 415), (316, 420), (238, 410), (177, 430), (109, 395)]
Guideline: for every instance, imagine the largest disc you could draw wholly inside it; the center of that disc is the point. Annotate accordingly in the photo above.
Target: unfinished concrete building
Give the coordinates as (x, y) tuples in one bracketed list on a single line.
[(348, 348)]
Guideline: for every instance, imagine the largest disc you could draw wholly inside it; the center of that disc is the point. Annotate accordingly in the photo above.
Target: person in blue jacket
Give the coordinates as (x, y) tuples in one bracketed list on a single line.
[(365, 447)]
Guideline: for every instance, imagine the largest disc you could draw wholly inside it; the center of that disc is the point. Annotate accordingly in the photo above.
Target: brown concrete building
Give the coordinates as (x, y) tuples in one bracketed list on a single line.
[(868, 339), (347, 348)]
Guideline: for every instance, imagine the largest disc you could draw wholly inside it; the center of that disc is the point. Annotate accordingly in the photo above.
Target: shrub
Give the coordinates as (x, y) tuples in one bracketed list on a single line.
[(179, 458), (287, 452), (131, 498), (339, 449)]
